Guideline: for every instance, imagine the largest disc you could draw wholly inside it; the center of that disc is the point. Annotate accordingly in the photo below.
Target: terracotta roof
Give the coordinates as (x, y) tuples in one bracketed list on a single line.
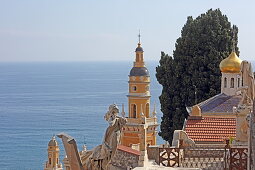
[(220, 103), (128, 149), (209, 129)]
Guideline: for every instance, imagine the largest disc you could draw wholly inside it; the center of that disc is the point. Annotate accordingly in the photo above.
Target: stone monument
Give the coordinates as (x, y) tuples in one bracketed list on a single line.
[(100, 157)]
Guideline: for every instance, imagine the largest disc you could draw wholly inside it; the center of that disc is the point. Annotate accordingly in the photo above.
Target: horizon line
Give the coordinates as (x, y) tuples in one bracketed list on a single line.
[(66, 61)]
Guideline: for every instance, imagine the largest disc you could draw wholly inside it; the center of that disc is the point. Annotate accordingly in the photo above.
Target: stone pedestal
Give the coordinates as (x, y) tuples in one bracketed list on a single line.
[(143, 159)]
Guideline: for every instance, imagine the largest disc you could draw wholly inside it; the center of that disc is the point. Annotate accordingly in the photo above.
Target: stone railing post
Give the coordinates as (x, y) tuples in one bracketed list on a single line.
[(226, 150)]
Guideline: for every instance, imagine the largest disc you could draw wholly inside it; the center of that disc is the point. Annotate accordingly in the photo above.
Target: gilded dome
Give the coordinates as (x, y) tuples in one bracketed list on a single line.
[(231, 64)]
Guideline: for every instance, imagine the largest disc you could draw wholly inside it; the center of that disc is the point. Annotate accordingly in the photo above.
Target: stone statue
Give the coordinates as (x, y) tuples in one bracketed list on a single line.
[(248, 83), (98, 158)]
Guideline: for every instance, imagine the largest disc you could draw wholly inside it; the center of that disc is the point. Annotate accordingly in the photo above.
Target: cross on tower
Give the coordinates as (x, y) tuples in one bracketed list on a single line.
[(139, 36), (234, 31)]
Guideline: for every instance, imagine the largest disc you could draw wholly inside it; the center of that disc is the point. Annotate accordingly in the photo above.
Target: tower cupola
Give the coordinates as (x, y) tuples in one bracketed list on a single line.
[(230, 67), (139, 48), (53, 142)]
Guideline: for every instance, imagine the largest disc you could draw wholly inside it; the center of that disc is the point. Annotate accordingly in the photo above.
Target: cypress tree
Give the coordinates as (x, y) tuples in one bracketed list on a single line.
[(205, 41)]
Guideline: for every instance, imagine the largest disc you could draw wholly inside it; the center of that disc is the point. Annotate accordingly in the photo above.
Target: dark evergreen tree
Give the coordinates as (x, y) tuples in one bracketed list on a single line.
[(204, 42)]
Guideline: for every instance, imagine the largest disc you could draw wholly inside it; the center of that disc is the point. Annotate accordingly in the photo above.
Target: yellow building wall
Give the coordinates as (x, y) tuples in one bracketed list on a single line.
[(53, 152), (133, 138)]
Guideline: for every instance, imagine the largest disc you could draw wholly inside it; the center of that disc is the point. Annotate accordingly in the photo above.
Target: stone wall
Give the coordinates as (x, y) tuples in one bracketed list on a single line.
[(153, 153), (122, 160)]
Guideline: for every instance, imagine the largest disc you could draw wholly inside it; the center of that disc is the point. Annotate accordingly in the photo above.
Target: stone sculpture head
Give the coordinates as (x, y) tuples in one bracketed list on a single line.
[(111, 115)]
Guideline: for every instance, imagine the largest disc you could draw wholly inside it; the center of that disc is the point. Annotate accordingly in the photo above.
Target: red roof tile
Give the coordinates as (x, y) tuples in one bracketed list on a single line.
[(128, 149), (209, 129)]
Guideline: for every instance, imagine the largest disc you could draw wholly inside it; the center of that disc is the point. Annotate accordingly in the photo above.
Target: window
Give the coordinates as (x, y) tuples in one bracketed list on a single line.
[(133, 107), (137, 57), (225, 82), (49, 160), (134, 88), (238, 82), (232, 83), (147, 110)]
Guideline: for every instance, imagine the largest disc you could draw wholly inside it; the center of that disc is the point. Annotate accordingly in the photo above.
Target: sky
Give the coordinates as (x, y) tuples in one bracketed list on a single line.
[(106, 30)]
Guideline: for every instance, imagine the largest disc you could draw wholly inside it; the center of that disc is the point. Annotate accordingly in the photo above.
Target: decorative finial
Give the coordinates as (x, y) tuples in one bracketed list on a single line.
[(139, 37), (154, 111), (123, 112), (233, 38), (84, 147)]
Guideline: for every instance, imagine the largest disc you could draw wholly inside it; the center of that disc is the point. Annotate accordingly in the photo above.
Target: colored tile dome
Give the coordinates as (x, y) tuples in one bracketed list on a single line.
[(139, 71), (231, 64), (139, 48)]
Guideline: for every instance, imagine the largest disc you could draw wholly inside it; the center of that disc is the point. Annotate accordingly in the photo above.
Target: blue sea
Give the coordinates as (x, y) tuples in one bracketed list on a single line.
[(38, 100)]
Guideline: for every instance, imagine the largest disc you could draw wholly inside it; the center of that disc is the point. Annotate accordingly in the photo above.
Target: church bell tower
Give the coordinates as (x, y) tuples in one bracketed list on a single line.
[(139, 87), (53, 156), (140, 130)]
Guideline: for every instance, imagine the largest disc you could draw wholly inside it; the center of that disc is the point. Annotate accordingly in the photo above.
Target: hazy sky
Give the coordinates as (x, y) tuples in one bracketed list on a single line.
[(74, 30)]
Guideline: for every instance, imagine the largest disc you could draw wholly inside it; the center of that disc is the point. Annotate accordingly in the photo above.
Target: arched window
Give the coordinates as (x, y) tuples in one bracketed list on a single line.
[(134, 88), (238, 82), (232, 83), (133, 107), (49, 160), (225, 82), (147, 110)]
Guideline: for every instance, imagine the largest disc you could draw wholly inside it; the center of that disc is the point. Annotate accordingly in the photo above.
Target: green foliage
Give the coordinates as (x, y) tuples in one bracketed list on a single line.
[(204, 42), (231, 140)]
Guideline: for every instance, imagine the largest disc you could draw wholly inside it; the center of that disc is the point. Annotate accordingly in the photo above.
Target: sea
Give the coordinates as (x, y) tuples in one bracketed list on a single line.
[(42, 99)]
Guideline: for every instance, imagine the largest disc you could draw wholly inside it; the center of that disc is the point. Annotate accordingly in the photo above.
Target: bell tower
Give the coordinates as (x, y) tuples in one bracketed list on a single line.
[(53, 156), (140, 129), (139, 87)]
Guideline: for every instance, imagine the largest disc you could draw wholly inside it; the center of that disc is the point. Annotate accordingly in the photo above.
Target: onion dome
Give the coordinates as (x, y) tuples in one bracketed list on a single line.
[(139, 71), (53, 142), (139, 48), (231, 64)]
